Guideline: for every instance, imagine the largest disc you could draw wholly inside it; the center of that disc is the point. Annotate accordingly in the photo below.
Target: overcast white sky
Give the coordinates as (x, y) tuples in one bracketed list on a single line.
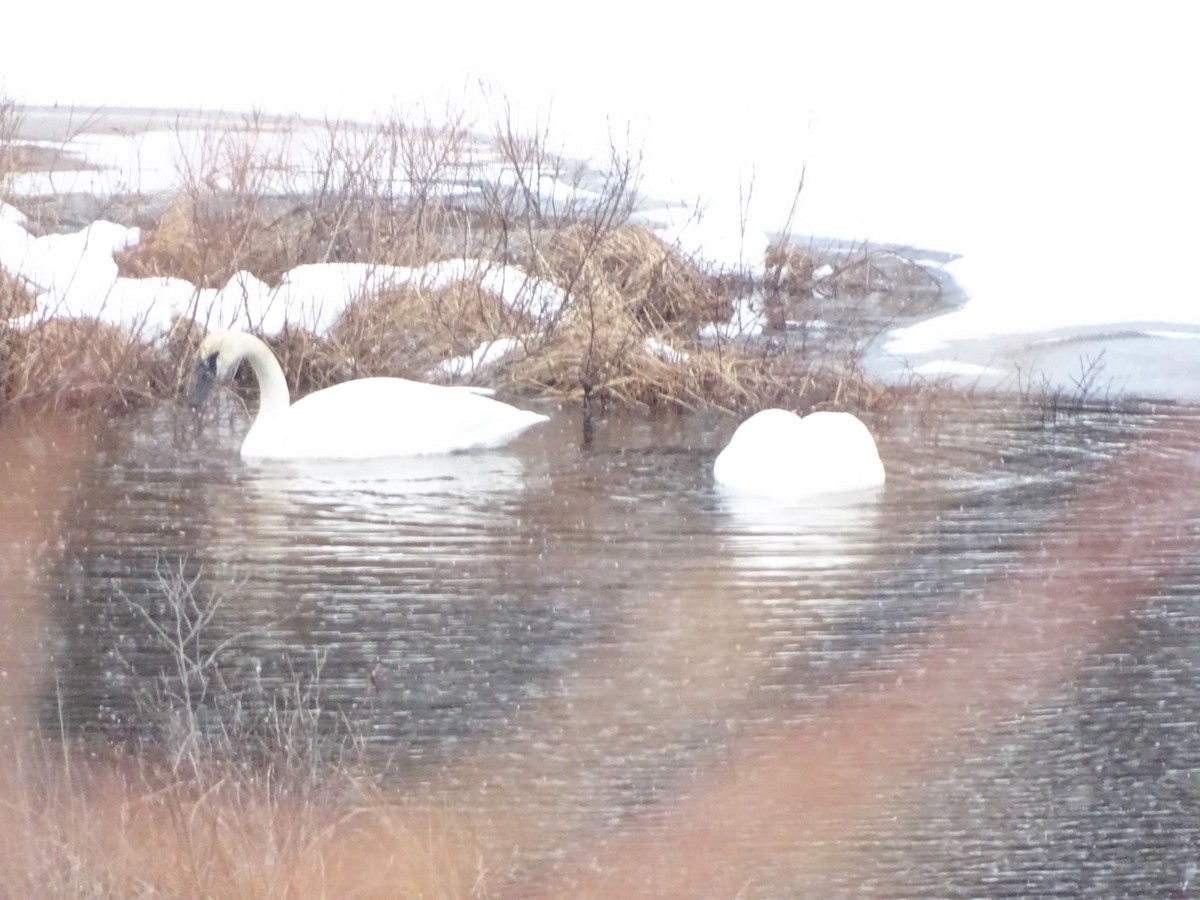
[(1065, 129)]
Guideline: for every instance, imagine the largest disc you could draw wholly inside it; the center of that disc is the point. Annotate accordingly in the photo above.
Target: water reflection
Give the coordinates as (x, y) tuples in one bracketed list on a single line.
[(469, 479), (41, 461), (577, 634), (824, 532), (321, 513)]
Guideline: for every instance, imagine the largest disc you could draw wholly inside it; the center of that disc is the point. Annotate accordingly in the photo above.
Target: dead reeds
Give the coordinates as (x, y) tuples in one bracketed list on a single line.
[(220, 795), (120, 828), (625, 327), (61, 363)]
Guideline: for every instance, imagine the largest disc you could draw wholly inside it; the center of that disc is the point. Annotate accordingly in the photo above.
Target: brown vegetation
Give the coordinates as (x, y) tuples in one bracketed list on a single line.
[(121, 829), (414, 193), (788, 808), (281, 817), (59, 363)]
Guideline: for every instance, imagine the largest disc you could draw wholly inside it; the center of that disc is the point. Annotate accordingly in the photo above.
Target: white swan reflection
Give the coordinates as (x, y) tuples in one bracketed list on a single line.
[(312, 518), (818, 533)]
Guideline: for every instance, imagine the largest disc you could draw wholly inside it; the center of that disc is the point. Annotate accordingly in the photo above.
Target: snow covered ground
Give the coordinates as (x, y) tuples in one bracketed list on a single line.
[(75, 275), (1050, 147)]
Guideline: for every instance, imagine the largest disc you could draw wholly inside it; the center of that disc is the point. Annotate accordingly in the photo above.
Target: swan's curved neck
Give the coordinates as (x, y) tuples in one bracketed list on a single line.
[(272, 386)]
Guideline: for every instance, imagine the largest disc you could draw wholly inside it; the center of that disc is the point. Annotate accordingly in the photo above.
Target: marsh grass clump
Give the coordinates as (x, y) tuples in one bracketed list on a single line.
[(656, 283), (78, 363), (788, 282), (409, 329), (228, 214), (15, 297), (622, 324), (264, 199), (112, 826), (14, 156), (206, 241)]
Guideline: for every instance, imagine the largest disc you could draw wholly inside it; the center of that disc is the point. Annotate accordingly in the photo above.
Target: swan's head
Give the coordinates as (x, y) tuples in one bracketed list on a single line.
[(217, 357)]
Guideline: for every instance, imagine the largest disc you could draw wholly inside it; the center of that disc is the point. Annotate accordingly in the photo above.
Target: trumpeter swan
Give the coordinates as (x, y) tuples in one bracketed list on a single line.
[(365, 418), (778, 454)]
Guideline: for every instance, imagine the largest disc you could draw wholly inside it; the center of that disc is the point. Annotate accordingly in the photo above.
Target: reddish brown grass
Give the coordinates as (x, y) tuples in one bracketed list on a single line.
[(113, 829)]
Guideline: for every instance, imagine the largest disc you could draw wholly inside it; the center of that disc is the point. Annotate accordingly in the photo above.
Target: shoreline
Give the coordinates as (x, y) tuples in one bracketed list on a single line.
[(64, 123)]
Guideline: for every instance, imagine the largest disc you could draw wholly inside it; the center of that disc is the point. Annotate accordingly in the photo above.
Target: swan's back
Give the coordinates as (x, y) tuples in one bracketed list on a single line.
[(778, 454), (374, 417)]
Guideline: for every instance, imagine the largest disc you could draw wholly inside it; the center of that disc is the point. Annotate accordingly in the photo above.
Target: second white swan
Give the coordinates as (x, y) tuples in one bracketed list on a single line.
[(360, 419), (779, 455)]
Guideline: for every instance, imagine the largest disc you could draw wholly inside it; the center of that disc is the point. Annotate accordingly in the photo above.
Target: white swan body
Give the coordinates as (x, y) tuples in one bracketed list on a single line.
[(361, 419), (777, 454)]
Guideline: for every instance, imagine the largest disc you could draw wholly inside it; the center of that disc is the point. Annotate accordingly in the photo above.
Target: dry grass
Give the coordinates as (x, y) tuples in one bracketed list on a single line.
[(15, 297), (375, 198), (206, 243), (629, 268), (76, 363), (632, 337), (122, 829), (13, 156), (408, 330), (266, 805), (410, 193)]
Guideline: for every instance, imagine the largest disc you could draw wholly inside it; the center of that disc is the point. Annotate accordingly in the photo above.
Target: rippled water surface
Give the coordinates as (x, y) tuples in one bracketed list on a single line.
[(590, 627)]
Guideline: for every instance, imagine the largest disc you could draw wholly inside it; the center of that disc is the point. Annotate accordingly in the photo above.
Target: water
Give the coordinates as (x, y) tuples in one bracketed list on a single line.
[(587, 632)]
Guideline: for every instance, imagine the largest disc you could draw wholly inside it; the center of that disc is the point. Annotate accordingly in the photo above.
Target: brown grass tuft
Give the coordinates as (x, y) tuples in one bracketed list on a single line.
[(653, 281), (206, 242), (73, 363), (408, 194), (15, 298), (409, 329), (120, 829)]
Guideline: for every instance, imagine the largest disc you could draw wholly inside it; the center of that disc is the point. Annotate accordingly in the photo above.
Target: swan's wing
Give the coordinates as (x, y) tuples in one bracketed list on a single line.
[(777, 454), (394, 417)]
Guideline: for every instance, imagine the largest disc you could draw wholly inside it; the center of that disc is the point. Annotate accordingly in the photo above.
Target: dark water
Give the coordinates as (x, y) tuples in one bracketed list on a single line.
[(593, 623)]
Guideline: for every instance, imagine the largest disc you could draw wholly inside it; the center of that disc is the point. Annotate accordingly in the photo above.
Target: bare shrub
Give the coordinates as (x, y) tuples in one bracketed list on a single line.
[(1090, 390), (236, 796), (408, 330), (205, 709), (263, 198), (110, 825), (223, 220), (60, 363), (663, 288), (252, 200), (15, 298), (385, 194), (13, 157)]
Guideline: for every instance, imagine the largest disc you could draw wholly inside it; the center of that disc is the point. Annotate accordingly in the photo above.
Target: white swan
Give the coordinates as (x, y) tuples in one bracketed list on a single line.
[(779, 455), (365, 418)]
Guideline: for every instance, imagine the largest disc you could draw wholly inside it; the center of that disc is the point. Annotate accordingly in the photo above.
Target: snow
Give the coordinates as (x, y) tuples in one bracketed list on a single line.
[(75, 275), (953, 367), (654, 347), (746, 321), (1048, 146), (10, 215), (486, 354), (54, 263)]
